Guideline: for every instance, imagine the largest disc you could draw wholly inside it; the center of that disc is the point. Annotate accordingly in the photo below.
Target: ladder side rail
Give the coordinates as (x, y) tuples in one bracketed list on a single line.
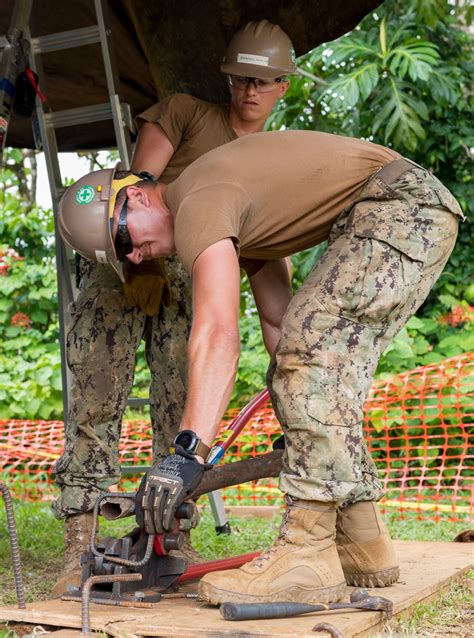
[(113, 82), (20, 17), (64, 255)]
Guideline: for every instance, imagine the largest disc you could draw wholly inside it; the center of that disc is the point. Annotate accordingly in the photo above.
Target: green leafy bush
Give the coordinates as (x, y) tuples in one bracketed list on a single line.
[(30, 367)]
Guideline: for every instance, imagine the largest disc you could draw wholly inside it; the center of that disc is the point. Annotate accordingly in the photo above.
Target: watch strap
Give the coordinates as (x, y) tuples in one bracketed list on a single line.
[(202, 449)]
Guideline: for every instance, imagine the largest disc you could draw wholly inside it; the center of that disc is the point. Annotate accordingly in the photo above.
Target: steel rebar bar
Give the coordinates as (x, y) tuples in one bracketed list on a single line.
[(19, 584), (99, 580)]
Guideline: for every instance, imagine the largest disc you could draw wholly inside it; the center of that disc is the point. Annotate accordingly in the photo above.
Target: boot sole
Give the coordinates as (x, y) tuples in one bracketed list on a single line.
[(215, 596), (382, 578)]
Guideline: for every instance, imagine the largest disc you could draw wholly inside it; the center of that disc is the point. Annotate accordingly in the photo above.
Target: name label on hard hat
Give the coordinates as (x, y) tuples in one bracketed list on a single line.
[(250, 58), (101, 256)]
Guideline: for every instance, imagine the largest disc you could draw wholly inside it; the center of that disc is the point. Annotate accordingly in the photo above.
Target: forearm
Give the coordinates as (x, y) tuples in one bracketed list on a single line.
[(213, 355), (153, 150), (271, 287), (271, 335)]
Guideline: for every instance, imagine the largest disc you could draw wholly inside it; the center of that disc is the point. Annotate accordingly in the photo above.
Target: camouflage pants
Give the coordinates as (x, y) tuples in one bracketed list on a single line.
[(383, 257), (102, 341)]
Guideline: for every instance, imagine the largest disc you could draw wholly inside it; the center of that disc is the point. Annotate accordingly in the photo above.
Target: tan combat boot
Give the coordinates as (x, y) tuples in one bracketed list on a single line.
[(77, 534), (302, 565), (364, 545)]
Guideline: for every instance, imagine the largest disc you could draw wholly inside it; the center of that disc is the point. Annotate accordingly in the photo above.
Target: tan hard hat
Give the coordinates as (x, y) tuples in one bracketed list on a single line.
[(84, 215), (260, 50)]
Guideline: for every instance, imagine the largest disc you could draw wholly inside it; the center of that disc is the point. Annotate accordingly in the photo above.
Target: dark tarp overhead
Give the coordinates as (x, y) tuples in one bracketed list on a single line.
[(161, 47)]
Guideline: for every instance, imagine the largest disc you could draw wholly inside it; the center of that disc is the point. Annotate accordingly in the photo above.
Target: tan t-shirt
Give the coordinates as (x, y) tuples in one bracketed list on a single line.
[(193, 127), (273, 193)]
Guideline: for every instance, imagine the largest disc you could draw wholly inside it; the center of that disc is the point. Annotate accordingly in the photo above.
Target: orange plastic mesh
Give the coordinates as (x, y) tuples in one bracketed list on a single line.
[(418, 425)]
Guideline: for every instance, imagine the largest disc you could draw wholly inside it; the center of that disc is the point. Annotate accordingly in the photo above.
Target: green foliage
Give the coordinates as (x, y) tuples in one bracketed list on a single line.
[(253, 361), (30, 370), (23, 226), (423, 341)]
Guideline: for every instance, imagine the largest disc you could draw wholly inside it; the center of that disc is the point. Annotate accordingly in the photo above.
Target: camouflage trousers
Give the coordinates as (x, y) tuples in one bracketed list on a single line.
[(102, 341), (385, 253)]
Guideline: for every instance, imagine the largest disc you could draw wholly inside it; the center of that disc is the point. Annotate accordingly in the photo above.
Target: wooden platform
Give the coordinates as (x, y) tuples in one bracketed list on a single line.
[(426, 569)]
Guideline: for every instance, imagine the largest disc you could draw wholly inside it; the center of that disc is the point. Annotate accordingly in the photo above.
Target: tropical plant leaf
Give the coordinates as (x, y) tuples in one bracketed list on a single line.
[(400, 117), (445, 88), (429, 11), (346, 48), (350, 88), (417, 58)]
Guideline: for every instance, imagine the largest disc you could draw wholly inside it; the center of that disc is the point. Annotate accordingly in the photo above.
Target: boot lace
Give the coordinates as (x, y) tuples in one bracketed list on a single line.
[(282, 535)]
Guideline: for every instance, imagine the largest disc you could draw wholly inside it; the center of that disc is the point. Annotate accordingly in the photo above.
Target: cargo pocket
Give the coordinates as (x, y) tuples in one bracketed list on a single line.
[(337, 442), (339, 411), (394, 269)]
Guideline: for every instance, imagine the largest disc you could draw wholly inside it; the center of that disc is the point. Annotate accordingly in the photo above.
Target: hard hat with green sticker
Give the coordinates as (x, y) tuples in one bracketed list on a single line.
[(85, 195)]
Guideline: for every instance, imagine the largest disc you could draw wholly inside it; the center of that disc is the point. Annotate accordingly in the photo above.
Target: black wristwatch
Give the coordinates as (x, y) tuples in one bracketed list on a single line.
[(191, 443)]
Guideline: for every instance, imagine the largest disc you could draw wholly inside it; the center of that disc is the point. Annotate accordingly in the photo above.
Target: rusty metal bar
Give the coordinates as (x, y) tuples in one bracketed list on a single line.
[(229, 474), (115, 559), (99, 580), (19, 585), (329, 629)]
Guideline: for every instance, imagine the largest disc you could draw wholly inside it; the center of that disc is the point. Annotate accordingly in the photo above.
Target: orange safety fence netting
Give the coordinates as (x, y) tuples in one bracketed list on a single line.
[(419, 427)]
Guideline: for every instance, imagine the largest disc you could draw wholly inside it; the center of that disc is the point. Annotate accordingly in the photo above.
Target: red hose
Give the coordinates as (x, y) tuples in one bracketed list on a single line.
[(244, 415), (197, 571)]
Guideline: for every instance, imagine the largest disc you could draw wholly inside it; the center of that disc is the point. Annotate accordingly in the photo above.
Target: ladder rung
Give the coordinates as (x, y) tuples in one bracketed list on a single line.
[(65, 39), (87, 115), (79, 115)]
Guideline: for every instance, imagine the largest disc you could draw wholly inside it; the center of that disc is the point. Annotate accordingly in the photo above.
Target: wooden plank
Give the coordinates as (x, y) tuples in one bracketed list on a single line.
[(426, 568)]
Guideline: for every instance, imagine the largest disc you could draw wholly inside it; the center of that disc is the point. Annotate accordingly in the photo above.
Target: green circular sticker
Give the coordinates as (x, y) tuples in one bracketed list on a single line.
[(85, 195)]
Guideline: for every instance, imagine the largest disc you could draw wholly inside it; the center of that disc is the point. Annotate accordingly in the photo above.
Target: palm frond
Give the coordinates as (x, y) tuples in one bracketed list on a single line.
[(348, 89), (401, 115), (415, 57)]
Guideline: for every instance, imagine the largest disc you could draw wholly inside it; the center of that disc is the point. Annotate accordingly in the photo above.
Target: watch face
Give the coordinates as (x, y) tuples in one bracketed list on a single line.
[(186, 439)]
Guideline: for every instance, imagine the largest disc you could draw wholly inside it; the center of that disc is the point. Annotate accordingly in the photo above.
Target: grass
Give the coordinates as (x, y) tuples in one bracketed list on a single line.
[(40, 539), (450, 615)]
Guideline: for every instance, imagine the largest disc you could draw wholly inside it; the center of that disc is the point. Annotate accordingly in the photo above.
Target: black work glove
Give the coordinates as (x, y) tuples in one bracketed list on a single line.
[(163, 488)]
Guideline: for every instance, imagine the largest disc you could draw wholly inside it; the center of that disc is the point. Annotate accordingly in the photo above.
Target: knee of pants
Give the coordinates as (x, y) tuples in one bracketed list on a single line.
[(103, 328)]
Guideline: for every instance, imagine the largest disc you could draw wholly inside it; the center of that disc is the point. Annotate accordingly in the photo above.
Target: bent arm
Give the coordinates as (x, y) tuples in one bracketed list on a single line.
[(271, 287), (214, 344), (153, 150)]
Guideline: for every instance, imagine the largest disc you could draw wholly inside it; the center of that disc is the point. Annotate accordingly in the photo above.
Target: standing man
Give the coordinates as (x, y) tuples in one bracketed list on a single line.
[(109, 319), (391, 227)]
